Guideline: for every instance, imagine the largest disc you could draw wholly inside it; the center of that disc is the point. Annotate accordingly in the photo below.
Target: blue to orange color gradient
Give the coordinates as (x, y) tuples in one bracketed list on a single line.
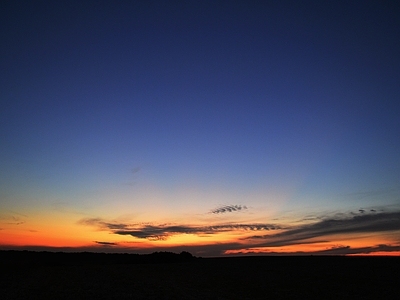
[(214, 127)]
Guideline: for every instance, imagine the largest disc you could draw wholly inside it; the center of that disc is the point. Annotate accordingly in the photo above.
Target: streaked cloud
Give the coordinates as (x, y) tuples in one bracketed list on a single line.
[(345, 250), (12, 218), (106, 243), (314, 229), (228, 208), (361, 223), (336, 250), (373, 193), (102, 224), (162, 231)]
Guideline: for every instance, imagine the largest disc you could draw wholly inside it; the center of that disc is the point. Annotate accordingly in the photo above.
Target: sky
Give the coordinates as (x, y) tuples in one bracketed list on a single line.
[(215, 127)]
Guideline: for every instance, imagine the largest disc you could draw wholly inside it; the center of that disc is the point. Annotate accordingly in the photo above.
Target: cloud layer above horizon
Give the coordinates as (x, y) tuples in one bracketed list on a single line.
[(270, 238), (216, 127)]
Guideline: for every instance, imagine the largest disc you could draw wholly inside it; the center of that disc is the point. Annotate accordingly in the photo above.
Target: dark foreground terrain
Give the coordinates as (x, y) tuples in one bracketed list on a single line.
[(45, 275)]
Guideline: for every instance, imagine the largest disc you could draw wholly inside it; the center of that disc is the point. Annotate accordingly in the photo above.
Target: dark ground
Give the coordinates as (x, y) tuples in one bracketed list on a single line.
[(32, 275)]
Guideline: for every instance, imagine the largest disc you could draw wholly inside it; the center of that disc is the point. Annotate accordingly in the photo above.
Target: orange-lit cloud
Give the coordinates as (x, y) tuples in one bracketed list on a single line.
[(361, 223), (164, 231), (363, 232)]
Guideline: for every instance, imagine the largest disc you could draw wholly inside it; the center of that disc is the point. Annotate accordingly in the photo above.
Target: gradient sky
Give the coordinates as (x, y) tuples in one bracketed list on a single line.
[(215, 127)]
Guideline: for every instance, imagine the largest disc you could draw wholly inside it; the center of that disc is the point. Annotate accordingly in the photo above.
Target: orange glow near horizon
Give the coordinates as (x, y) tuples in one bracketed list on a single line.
[(378, 253), (68, 230), (123, 243), (322, 248)]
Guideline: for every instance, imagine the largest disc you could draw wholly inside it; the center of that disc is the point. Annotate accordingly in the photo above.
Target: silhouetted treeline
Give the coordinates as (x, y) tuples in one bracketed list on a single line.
[(71, 258)]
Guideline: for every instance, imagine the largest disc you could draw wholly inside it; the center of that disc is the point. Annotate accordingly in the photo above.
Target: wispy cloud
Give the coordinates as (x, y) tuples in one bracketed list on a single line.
[(373, 193), (312, 229), (162, 231), (345, 250), (102, 224), (336, 250), (106, 243), (228, 208), (12, 218), (362, 223)]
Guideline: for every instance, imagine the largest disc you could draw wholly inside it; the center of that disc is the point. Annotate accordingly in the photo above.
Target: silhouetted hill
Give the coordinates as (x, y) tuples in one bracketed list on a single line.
[(80, 258)]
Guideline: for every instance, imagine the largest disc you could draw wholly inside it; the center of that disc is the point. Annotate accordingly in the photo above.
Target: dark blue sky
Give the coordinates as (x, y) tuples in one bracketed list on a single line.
[(214, 102)]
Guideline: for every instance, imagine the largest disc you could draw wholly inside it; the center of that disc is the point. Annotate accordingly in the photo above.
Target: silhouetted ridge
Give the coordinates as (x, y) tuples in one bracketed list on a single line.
[(64, 258)]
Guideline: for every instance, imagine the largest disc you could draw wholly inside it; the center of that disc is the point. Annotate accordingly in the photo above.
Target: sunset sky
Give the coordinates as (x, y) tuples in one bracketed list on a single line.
[(214, 127)]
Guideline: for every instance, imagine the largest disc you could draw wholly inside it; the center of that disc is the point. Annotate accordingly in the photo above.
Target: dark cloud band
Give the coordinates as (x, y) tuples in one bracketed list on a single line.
[(162, 232), (362, 223)]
